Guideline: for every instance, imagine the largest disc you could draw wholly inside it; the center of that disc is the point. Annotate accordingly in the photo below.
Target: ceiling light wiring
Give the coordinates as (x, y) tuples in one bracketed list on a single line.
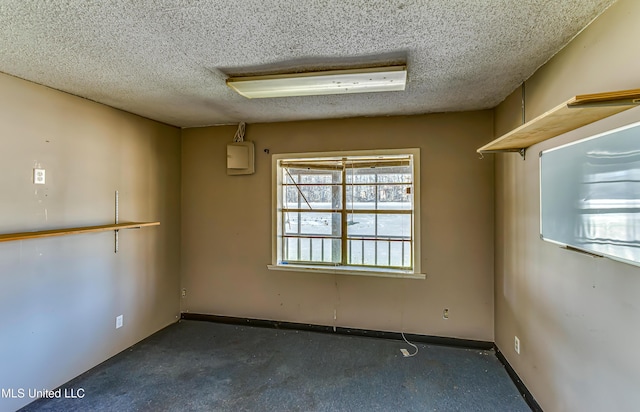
[(239, 137)]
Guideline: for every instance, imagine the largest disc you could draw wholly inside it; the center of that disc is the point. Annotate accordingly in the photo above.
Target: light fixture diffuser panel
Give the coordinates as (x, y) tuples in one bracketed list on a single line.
[(319, 83)]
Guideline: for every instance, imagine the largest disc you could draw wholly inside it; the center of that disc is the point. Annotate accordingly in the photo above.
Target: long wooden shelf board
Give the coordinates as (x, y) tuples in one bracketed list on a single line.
[(629, 97), (570, 115), (73, 231)]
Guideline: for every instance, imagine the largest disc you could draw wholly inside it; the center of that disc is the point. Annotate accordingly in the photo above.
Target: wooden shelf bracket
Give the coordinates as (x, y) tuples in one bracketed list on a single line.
[(116, 232)]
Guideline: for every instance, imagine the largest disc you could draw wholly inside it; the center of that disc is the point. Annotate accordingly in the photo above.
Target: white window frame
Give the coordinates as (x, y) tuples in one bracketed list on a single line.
[(380, 271)]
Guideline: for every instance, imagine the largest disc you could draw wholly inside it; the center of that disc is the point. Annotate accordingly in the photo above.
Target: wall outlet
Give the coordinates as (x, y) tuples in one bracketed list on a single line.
[(184, 293), (38, 176), (516, 345), (119, 321), (445, 313)]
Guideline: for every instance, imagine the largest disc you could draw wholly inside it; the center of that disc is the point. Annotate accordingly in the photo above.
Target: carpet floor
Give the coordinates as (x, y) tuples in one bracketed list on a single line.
[(205, 366)]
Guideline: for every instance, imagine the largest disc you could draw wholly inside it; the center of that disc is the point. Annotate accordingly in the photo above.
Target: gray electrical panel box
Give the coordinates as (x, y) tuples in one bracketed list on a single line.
[(240, 158)]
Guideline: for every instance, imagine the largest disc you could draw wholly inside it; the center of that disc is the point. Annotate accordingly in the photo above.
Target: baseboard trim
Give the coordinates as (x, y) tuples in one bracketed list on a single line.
[(528, 397), (432, 340)]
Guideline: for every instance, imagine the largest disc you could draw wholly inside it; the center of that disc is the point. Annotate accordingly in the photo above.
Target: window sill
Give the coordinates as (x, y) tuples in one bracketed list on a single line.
[(342, 270)]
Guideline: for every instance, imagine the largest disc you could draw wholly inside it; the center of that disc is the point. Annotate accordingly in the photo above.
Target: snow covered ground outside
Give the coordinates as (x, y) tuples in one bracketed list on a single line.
[(394, 252)]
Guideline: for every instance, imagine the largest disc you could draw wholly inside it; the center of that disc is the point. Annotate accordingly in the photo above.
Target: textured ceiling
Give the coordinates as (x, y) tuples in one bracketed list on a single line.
[(168, 59)]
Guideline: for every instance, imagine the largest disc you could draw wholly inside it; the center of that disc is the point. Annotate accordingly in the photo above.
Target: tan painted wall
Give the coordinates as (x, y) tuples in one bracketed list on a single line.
[(60, 296), (576, 316), (226, 229)]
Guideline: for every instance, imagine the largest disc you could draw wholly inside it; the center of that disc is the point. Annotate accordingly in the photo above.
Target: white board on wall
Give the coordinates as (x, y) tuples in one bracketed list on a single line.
[(590, 194)]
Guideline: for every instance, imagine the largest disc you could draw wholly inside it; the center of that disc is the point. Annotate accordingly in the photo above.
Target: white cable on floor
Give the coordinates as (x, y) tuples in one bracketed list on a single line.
[(411, 344), (405, 352)]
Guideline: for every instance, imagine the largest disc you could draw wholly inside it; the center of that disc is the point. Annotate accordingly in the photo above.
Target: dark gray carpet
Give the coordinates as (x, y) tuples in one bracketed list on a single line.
[(203, 366)]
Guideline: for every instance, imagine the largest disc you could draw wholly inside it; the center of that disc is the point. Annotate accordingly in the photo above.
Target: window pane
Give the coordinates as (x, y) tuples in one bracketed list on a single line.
[(394, 174), (315, 189), (305, 176), (379, 196), (305, 249), (407, 262), (394, 225), (374, 225), (395, 249), (383, 253), (312, 250), (290, 249), (355, 250), (399, 256), (369, 253), (361, 176), (312, 223), (384, 174), (361, 224), (394, 197), (318, 197), (331, 252), (361, 197)]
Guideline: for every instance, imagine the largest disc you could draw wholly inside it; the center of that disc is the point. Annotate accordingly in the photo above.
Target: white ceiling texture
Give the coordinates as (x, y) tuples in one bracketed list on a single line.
[(168, 59)]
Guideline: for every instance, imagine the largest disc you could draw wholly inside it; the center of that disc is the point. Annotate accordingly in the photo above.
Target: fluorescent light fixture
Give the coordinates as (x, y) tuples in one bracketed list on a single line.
[(375, 79)]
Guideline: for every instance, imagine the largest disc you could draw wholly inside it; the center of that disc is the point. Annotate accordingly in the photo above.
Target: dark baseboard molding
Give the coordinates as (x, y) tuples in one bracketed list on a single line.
[(528, 397), (432, 340), (272, 324)]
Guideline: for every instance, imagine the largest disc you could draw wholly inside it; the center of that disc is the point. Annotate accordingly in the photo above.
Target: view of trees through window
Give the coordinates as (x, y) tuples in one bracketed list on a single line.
[(354, 214)]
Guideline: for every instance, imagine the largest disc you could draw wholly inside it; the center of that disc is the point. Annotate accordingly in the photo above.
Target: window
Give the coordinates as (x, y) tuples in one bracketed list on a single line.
[(349, 211)]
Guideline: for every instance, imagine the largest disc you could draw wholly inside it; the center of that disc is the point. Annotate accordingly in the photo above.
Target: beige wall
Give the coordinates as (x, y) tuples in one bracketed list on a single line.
[(576, 316), (60, 296), (226, 229)]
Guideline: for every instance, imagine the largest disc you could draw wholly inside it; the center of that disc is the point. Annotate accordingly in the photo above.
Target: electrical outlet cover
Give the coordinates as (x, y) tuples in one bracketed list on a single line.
[(38, 176)]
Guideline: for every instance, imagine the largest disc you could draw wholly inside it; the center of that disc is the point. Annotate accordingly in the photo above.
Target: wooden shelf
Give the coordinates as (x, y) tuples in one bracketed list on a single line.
[(572, 114), (73, 231)]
